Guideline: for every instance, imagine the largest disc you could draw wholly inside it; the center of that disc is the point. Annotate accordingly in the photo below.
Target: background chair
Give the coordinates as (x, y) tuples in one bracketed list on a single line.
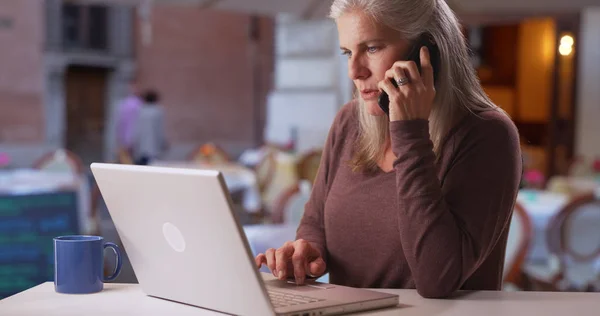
[(517, 248), (308, 165), (573, 239), (289, 207)]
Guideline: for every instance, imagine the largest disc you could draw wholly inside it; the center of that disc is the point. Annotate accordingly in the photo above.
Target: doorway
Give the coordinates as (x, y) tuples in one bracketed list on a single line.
[(85, 96)]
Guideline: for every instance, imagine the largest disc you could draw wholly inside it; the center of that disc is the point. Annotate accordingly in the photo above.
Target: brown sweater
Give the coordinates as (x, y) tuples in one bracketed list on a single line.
[(434, 226)]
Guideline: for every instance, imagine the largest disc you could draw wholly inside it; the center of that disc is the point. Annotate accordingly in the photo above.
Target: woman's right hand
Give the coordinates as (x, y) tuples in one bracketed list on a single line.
[(297, 258)]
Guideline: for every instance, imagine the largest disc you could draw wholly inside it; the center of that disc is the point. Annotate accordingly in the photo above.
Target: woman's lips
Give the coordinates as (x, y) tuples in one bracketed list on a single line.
[(368, 94)]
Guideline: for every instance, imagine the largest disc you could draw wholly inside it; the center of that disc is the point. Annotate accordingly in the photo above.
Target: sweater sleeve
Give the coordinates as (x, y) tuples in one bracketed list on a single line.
[(312, 225), (448, 229)]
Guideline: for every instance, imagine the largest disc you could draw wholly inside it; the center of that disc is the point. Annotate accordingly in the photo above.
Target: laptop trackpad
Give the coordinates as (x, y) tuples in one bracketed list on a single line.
[(309, 285)]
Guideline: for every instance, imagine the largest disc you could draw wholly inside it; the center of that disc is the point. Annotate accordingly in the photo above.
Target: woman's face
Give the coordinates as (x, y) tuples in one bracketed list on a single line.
[(372, 49)]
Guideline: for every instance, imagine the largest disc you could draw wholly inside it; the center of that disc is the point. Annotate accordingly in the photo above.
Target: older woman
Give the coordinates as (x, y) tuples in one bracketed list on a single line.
[(420, 198)]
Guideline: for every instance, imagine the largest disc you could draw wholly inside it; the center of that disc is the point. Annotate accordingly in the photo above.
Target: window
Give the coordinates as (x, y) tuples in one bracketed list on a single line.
[(85, 27)]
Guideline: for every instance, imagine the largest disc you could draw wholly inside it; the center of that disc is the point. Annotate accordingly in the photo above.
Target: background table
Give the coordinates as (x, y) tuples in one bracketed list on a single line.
[(541, 206)]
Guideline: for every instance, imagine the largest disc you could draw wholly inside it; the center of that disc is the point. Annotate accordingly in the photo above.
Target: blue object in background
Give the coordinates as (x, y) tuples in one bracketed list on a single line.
[(28, 223)]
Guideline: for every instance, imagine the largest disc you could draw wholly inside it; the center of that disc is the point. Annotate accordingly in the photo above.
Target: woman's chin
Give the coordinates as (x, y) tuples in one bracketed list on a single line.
[(373, 108)]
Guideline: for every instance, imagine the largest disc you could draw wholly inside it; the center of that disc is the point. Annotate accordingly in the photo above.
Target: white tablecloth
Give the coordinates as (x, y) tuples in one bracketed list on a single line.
[(23, 181), (263, 237), (541, 206), (237, 177)]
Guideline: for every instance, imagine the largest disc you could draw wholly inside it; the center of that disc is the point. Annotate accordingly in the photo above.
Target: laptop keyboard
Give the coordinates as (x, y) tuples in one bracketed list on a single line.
[(280, 299)]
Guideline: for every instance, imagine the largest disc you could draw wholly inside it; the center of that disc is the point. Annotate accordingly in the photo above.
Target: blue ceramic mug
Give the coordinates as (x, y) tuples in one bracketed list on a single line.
[(79, 264)]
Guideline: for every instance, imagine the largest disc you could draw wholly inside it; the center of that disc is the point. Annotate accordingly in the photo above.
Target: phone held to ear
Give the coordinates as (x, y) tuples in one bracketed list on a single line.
[(415, 55)]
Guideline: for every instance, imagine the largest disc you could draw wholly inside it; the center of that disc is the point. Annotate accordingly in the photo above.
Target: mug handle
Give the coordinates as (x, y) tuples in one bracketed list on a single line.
[(117, 252)]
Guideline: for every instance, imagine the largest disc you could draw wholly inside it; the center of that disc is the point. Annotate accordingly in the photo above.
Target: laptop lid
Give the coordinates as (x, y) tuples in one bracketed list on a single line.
[(182, 237)]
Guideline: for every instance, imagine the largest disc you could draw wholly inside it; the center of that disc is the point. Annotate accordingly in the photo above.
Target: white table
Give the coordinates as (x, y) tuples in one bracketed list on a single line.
[(23, 181), (237, 177), (264, 236), (574, 185), (128, 299), (541, 206)]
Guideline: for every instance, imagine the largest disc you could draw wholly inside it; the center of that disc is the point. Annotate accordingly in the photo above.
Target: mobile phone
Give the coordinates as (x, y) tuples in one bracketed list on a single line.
[(415, 55)]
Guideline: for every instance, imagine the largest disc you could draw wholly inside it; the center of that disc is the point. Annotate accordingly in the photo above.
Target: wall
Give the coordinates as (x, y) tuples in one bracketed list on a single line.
[(202, 64), (498, 69), (535, 68), (588, 104), (21, 71), (311, 83)]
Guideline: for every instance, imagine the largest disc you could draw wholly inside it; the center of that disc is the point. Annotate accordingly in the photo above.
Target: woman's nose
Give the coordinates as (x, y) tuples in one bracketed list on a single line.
[(357, 70)]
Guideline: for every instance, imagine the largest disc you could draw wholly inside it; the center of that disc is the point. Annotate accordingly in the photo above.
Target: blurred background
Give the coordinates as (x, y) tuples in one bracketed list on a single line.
[(250, 87)]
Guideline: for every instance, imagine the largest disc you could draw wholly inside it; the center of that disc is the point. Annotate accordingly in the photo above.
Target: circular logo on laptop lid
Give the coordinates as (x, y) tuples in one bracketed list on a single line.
[(174, 237)]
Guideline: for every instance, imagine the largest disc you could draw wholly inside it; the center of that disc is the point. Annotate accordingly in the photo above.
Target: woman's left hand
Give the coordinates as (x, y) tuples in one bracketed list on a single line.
[(414, 96)]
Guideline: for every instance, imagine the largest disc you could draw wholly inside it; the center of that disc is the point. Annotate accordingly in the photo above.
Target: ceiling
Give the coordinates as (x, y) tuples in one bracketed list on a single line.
[(319, 8)]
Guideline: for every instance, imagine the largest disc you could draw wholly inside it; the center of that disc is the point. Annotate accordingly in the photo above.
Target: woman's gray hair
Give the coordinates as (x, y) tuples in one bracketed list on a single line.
[(457, 89)]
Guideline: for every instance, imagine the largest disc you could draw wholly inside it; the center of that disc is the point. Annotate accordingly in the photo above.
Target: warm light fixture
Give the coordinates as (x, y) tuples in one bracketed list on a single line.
[(567, 40), (565, 50), (566, 45)]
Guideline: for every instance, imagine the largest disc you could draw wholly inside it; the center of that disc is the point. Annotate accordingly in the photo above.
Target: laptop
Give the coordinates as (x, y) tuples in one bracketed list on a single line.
[(186, 245)]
